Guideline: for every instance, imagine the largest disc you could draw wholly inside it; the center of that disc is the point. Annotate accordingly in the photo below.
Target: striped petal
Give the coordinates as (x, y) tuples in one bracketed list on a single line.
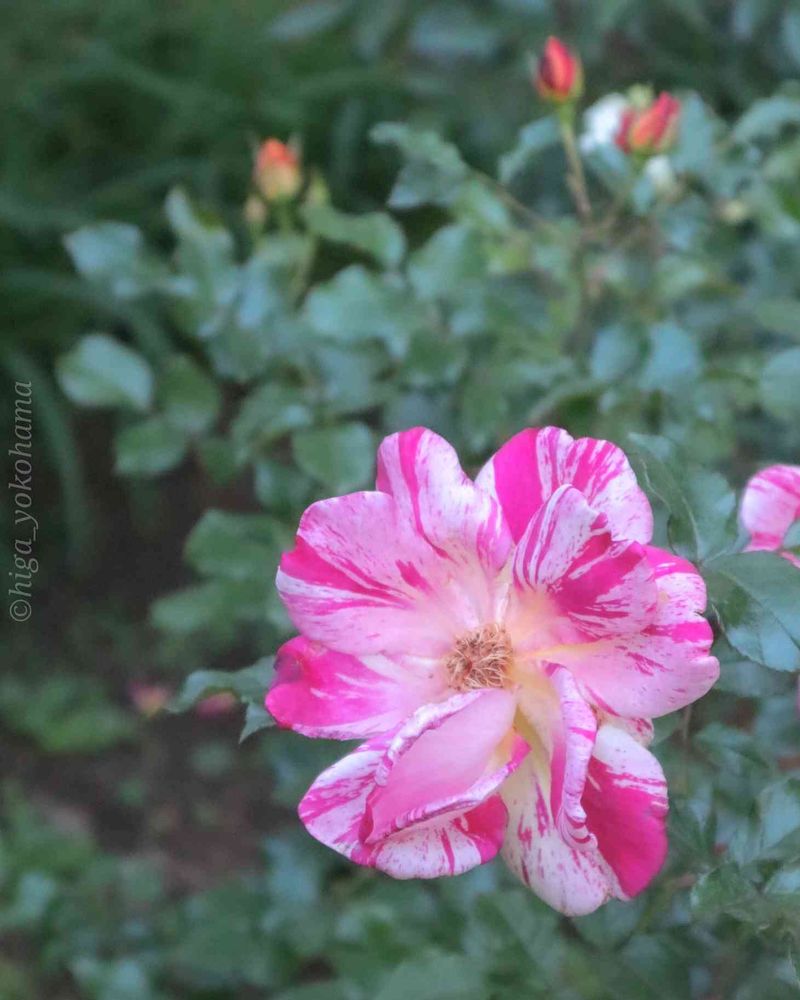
[(566, 727), (572, 582), (572, 740), (625, 802), (625, 799), (405, 569), (465, 525), (531, 466), (571, 880), (422, 803), (361, 581), (330, 695), (446, 758), (661, 668), (770, 506)]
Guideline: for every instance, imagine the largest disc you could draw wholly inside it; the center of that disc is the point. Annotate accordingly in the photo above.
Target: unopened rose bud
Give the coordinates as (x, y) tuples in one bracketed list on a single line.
[(651, 130), (149, 699), (559, 75), (277, 172), (216, 705)]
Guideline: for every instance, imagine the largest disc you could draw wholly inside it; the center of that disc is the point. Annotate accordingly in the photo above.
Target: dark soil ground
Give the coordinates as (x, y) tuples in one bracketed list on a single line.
[(143, 797)]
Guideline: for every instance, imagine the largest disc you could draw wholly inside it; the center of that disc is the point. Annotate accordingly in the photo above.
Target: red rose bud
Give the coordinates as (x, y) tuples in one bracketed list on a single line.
[(277, 172), (652, 130), (149, 699), (216, 705), (559, 75)]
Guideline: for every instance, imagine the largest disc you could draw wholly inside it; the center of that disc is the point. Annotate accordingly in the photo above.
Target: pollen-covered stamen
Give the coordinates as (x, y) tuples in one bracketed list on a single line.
[(481, 659)]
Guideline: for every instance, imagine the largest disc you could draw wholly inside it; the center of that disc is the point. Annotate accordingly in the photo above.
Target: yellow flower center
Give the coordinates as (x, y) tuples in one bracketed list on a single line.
[(480, 659)]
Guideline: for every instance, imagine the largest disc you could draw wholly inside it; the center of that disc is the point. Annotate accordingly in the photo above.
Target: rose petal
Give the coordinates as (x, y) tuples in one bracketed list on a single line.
[(408, 569), (665, 666), (532, 465), (422, 802), (461, 522), (571, 880), (330, 695), (625, 802), (446, 758), (572, 582), (360, 581), (770, 506), (572, 741), (626, 806)]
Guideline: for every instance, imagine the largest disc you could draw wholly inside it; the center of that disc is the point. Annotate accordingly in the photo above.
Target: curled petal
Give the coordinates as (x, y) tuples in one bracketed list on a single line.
[(770, 506), (450, 846), (625, 799), (666, 665), (571, 880), (330, 695), (641, 730), (445, 759), (567, 727), (625, 802), (572, 582), (532, 465), (422, 802)]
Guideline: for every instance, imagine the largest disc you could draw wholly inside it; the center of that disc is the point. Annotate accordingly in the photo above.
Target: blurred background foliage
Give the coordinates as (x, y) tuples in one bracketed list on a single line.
[(198, 379)]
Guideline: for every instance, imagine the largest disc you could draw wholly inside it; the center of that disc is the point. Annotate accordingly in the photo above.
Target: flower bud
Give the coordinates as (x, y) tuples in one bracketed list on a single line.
[(149, 699), (559, 75), (277, 172), (650, 130), (216, 705)]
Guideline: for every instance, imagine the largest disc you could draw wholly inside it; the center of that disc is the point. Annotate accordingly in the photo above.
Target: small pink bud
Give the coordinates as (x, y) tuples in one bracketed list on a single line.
[(149, 699), (277, 170), (559, 75), (216, 705), (651, 130)]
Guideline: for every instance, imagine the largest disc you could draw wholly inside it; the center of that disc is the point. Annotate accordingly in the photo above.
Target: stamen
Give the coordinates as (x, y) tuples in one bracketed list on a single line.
[(481, 659)]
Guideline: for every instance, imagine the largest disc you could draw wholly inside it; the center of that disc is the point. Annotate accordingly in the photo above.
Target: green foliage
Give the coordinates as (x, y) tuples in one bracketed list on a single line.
[(755, 599), (68, 715), (248, 686), (102, 372), (339, 458), (189, 399), (375, 233), (148, 448), (258, 362)]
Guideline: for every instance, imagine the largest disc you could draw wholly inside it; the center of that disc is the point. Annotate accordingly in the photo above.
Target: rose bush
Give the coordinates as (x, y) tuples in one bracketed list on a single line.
[(645, 296)]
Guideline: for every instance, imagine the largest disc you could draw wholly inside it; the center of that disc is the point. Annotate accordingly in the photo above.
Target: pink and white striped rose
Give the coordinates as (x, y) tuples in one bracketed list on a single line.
[(770, 506), (500, 647)]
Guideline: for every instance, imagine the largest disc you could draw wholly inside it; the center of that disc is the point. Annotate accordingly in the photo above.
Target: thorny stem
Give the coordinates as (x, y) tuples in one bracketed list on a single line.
[(283, 216), (576, 178), (686, 723), (621, 200), (303, 272), (513, 203)]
